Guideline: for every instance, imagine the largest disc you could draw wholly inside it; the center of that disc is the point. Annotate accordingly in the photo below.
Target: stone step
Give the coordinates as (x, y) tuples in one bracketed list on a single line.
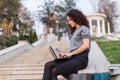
[(22, 68), (21, 77), (25, 77), (21, 72), (20, 65)]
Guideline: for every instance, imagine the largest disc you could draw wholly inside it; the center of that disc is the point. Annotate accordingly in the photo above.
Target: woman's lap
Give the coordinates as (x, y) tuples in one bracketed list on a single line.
[(69, 66)]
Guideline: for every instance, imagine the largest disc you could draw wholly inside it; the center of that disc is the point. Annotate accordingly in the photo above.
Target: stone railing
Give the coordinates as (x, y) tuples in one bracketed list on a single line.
[(13, 51), (8, 53), (43, 42), (115, 71)]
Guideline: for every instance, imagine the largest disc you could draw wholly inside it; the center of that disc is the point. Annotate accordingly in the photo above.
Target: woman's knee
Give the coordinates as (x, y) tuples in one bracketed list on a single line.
[(49, 64), (54, 71)]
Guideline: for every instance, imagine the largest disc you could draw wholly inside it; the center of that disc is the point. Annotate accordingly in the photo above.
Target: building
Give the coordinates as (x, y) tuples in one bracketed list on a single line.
[(97, 24)]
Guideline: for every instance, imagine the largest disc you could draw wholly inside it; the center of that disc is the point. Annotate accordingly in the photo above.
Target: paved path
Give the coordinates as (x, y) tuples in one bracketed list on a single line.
[(40, 55)]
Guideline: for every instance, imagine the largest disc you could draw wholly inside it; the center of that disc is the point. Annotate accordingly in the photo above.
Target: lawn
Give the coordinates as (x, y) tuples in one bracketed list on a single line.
[(111, 49)]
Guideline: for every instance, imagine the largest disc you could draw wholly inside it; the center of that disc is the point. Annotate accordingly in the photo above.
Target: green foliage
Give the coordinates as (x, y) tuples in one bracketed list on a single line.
[(9, 41), (21, 36), (111, 49), (2, 41), (97, 38), (14, 38), (33, 37)]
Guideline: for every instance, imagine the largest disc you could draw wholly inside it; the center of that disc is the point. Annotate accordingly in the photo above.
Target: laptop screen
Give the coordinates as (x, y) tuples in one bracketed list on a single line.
[(52, 52)]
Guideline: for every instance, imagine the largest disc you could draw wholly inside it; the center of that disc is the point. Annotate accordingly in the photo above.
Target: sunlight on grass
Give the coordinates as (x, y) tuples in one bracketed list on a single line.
[(111, 49)]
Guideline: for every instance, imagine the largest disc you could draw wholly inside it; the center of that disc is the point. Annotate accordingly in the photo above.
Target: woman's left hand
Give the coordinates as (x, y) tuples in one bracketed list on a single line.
[(68, 55)]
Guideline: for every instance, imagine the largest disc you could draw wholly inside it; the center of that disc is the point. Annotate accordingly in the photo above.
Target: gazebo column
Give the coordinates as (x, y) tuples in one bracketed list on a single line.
[(90, 22), (98, 28), (108, 26), (103, 27)]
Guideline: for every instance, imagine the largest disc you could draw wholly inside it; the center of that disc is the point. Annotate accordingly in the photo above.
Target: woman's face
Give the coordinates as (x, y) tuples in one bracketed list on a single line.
[(71, 22)]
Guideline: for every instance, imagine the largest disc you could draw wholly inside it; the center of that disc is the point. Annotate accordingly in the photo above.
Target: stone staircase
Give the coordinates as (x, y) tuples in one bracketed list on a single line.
[(21, 72), (30, 64)]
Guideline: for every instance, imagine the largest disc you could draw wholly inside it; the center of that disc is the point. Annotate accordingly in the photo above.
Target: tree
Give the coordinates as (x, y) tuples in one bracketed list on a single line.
[(25, 22), (9, 9), (109, 8), (47, 13), (61, 10), (68, 4)]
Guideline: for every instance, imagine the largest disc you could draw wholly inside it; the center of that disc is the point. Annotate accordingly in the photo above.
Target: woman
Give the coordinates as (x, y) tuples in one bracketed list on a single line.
[(79, 49)]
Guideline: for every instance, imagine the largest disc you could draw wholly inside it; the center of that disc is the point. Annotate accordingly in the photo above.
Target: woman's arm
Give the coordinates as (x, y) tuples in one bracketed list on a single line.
[(84, 47)]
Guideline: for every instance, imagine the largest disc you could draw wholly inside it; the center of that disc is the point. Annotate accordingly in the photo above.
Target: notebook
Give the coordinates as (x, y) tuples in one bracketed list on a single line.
[(54, 54)]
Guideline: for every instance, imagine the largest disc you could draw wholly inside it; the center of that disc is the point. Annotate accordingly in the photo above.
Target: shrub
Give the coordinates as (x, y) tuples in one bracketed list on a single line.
[(33, 37)]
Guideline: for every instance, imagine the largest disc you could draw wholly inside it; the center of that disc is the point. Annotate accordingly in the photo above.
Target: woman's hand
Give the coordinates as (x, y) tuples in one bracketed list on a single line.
[(68, 55), (65, 55), (61, 55)]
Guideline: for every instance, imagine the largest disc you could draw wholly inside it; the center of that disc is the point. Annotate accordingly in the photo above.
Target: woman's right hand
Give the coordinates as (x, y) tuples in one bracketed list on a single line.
[(61, 55)]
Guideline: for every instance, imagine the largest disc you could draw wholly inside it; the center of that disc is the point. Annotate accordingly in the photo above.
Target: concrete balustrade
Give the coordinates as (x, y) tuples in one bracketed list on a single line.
[(13, 51), (115, 71), (9, 53), (42, 42)]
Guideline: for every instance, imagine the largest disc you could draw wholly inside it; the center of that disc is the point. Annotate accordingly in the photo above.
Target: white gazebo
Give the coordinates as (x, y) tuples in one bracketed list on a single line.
[(97, 24)]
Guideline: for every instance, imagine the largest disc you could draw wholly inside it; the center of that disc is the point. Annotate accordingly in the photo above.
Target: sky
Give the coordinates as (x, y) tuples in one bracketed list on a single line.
[(84, 5)]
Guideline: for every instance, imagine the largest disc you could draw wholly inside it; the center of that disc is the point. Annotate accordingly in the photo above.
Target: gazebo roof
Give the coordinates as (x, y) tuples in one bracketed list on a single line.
[(96, 14)]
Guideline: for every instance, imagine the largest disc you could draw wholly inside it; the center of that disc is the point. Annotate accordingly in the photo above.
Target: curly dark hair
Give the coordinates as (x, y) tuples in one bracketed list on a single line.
[(78, 17)]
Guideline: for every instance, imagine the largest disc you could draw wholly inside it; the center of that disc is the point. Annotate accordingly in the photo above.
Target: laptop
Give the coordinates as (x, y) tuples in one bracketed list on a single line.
[(54, 54)]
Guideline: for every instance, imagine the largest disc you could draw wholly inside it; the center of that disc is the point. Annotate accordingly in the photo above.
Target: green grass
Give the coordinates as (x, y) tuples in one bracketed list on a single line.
[(97, 38), (111, 49)]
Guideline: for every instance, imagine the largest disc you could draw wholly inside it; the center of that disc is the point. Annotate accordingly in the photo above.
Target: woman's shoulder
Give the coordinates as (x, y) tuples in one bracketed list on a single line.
[(84, 30), (84, 27)]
